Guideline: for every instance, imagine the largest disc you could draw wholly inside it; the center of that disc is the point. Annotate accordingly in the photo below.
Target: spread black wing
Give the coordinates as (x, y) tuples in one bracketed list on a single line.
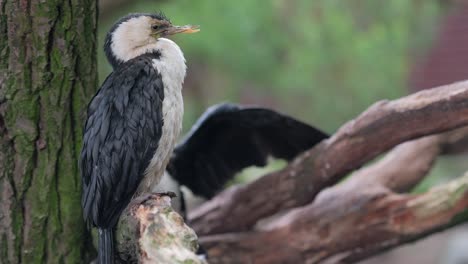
[(228, 138), (120, 137)]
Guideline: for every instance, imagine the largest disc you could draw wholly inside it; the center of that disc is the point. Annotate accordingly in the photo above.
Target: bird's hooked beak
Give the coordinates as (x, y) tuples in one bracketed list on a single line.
[(187, 29)]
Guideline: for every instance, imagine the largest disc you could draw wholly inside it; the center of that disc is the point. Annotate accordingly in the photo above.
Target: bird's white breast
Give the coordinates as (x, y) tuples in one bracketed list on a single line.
[(171, 66)]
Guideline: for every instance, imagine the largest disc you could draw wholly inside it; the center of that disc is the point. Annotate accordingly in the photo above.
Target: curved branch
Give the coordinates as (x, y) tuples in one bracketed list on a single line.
[(400, 170), (347, 226), (382, 126)]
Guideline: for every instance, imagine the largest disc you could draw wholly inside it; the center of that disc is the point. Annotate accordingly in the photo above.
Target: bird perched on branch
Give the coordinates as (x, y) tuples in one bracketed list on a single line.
[(133, 120)]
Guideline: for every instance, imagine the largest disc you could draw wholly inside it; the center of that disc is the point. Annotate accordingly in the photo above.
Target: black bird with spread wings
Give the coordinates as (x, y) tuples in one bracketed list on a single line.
[(228, 138)]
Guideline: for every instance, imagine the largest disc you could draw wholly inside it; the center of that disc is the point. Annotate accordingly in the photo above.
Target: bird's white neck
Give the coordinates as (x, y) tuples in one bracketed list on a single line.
[(171, 61)]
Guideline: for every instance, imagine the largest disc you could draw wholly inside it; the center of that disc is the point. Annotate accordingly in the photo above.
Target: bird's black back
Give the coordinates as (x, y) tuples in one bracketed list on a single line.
[(121, 135)]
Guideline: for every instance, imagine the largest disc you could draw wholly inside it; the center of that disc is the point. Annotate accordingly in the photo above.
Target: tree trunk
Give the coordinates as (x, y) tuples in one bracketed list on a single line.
[(47, 75)]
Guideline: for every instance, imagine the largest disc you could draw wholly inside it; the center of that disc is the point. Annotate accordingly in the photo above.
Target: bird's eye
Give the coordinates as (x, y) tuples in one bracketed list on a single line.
[(155, 27)]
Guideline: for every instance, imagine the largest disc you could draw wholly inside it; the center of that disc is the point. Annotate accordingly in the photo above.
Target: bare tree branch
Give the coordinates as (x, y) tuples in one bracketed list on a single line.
[(401, 169), (355, 219), (347, 230), (382, 126)]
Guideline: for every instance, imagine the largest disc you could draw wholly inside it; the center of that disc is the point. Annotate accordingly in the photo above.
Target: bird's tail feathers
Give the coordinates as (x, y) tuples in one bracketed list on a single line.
[(106, 246)]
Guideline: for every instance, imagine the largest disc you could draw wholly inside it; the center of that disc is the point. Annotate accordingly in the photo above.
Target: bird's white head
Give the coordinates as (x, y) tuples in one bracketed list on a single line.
[(138, 34)]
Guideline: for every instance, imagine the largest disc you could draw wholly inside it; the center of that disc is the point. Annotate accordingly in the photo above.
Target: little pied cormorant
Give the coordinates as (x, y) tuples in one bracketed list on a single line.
[(133, 121)]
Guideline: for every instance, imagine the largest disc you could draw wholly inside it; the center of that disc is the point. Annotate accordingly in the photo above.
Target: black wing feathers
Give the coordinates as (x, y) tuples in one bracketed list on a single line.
[(229, 138), (120, 137)]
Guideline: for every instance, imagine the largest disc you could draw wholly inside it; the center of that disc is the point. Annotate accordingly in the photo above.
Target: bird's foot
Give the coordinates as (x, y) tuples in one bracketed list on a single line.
[(170, 194), (145, 197)]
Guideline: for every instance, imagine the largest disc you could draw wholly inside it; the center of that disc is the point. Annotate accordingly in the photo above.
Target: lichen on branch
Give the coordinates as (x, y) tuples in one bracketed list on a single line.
[(150, 231)]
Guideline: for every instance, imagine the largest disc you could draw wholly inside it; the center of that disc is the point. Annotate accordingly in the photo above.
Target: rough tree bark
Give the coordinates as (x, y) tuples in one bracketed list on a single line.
[(47, 75)]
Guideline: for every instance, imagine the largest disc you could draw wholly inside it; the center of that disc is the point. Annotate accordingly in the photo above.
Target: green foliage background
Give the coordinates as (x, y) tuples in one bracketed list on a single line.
[(322, 61)]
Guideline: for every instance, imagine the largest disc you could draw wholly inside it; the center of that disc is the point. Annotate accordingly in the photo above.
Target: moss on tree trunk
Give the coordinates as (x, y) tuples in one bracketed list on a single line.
[(47, 75)]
